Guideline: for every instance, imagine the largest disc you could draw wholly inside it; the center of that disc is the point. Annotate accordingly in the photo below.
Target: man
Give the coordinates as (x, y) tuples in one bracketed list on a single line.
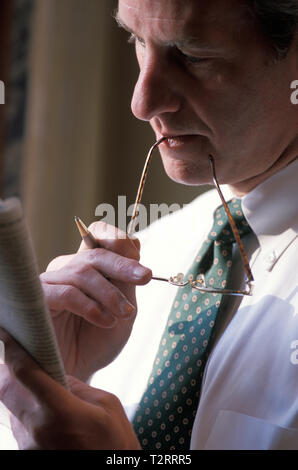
[(215, 79)]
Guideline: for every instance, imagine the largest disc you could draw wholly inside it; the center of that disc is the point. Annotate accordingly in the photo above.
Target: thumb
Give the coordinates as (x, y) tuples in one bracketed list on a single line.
[(85, 392)]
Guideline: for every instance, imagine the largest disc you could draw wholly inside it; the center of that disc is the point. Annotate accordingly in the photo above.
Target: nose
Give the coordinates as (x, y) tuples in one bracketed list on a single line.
[(155, 92)]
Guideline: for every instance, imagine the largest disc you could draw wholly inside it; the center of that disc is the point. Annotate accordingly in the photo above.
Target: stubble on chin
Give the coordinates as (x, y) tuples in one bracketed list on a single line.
[(187, 173)]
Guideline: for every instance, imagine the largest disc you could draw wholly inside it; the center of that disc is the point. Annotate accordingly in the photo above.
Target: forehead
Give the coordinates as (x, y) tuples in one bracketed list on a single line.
[(157, 9), (163, 17)]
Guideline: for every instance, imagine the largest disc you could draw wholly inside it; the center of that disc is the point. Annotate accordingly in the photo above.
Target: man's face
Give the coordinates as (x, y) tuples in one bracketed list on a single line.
[(207, 77)]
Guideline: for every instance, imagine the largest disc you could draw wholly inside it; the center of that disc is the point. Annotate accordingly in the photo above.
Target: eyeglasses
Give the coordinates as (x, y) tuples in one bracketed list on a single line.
[(179, 279)]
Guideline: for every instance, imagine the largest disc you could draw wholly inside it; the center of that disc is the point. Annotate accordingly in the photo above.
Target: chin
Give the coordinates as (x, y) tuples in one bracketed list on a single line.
[(187, 173)]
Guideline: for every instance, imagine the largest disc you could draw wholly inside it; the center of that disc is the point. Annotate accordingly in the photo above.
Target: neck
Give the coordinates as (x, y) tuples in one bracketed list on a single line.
[(244, 187)]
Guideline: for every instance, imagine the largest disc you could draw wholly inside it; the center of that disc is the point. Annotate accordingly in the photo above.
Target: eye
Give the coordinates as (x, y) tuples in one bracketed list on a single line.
[(192, 60)]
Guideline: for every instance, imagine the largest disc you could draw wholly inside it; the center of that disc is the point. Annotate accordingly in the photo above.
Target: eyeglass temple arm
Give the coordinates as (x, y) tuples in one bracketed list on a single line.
[(135, 213), (248, 272)]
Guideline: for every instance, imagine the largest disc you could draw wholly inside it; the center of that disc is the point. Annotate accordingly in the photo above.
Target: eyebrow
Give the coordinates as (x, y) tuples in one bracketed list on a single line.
[(191, 42)]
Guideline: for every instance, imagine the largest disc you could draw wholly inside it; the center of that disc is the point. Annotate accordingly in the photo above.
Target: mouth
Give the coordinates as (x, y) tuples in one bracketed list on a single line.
[(177, 141)]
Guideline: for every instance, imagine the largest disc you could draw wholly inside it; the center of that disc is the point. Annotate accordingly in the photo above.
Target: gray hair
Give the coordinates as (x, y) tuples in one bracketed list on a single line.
[(278, 20)]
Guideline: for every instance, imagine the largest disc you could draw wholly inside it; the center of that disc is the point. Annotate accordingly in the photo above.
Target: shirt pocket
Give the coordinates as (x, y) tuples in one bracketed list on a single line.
[(237, 431)]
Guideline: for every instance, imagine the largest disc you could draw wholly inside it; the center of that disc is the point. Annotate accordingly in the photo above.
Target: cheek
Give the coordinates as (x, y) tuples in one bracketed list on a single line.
[(224, 101), (211, 94)]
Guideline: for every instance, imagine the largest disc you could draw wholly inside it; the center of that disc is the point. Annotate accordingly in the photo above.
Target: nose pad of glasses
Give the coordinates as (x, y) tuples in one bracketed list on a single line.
[(178, 280), (199, 282)]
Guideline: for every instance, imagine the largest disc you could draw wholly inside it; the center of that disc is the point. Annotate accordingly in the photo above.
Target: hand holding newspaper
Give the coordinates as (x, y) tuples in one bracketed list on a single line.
[(23, 311)]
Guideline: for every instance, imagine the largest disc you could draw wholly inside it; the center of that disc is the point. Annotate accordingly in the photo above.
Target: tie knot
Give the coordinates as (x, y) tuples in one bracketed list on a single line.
[(222, 230)]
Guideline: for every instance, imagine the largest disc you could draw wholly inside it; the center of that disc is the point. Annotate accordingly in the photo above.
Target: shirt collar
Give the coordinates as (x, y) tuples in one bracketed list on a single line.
[(271, 211)]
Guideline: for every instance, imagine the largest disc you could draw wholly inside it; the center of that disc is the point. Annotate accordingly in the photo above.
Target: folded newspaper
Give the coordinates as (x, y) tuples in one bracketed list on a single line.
[(23, 310)]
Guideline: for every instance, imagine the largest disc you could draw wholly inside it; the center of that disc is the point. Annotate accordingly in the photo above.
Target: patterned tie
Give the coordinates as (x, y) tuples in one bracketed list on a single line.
[(165, 415)]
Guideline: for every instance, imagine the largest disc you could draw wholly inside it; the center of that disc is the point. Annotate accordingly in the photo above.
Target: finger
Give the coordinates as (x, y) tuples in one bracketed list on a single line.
[(94, 285), (27, 372), (85, 392), (114, 239), (136, 242), (110, 265), (125, 246), (66, 297), (59, 262), (131, 250)]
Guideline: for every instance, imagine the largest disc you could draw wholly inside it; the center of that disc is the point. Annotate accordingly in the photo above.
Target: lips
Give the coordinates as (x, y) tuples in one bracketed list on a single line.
[(174, 141)]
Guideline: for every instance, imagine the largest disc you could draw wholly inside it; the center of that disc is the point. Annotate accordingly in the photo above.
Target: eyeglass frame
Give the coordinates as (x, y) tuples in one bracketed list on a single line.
[(200, 283)]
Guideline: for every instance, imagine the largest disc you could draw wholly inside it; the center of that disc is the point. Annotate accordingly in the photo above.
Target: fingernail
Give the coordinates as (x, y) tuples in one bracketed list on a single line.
[(139, 272), (126, 309)]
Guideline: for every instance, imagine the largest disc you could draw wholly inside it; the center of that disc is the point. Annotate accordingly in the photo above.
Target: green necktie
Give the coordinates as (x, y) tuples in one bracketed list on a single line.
[(165, 415)]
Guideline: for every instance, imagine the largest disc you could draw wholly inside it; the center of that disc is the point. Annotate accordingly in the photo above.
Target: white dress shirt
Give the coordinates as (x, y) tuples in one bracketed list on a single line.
[(249, 396)]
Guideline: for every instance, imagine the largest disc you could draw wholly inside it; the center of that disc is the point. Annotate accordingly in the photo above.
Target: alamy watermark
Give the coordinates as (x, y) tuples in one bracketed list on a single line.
[(2, 353), (2, 92), (294, 95), (146, 216)]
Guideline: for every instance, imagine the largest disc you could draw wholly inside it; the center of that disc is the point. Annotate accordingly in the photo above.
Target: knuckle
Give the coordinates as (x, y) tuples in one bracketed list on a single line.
[(82, 269), (114, 400), (109, 400), (53, 263), (122, 264), (91, 308), (58, 263), (96, 252), (67, 292), (81, 264), (90, 256), (114, 299)]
